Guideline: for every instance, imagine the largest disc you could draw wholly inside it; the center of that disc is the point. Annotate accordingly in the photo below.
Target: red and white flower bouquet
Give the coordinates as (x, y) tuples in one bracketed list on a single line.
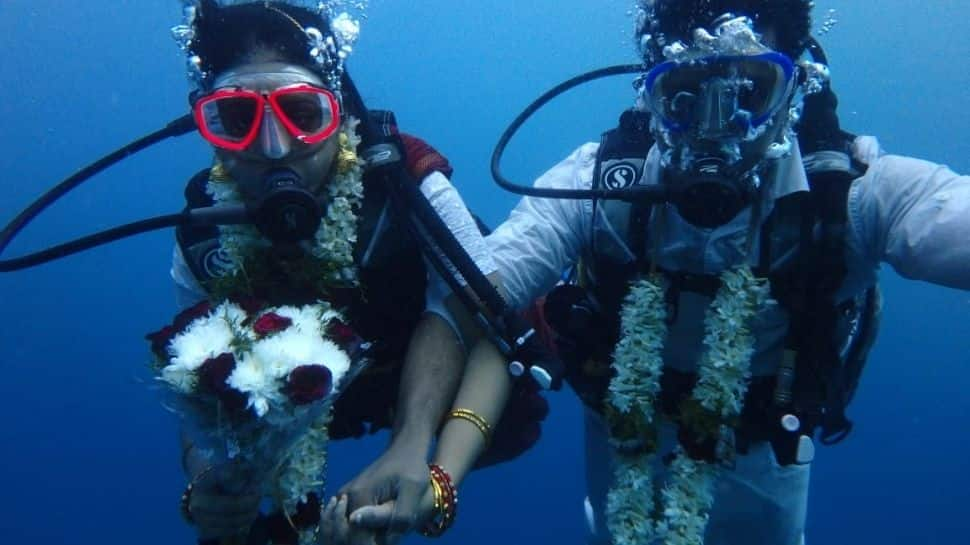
[(255, 386)]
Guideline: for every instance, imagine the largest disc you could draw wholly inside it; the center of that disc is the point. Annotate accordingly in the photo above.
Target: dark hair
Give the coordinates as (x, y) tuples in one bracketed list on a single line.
[(228, 36), (675, 19)]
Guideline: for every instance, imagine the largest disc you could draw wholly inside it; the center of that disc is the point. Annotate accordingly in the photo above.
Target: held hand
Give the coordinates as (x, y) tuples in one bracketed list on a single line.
[(335, 528), (401, 475), (375, 518), (218, 513)]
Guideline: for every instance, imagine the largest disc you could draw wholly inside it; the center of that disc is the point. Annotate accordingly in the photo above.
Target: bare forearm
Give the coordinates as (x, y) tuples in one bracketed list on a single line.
[(484, 391), (432, 371)]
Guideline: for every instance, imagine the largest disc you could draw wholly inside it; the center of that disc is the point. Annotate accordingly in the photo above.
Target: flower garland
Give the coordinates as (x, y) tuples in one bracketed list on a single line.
[(257, 384), (633, 516), (329, 261)]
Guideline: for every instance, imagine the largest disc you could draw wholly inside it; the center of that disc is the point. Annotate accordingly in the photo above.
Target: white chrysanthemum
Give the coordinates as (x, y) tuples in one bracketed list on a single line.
[(292, 348), (180, 378), (285, 351), (205, 338), (306, 319), (327, 315), (256, 378), (233, 313)]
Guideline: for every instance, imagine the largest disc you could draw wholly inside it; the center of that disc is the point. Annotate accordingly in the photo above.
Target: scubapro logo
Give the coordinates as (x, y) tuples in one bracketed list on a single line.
[(216, 263), (620, 176)]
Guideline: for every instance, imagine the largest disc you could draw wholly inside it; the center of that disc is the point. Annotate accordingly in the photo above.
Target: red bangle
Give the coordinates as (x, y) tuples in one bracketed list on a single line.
[(445, 502)]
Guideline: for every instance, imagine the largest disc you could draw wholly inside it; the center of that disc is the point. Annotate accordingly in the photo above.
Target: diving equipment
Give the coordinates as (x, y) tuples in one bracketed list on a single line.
[(286, 211), (716, 178), (504, 325), (713, 119), (720, 96), (231, 118)]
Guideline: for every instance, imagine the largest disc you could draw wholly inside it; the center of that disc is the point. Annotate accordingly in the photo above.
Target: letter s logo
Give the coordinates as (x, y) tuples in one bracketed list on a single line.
[(620, 176)]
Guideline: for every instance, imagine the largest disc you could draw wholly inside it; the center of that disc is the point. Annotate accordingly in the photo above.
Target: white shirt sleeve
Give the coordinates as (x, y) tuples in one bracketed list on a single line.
[(914, 215), (543, 237), (187, 289), (446, 201)]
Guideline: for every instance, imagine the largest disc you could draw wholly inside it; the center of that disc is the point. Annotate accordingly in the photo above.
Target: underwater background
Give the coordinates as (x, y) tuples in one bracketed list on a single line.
[(89, 456)]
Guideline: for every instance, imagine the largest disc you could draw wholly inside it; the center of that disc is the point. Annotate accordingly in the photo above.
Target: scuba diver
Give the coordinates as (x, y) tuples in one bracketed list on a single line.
[(313, 197), (274, 100), (722, 245)]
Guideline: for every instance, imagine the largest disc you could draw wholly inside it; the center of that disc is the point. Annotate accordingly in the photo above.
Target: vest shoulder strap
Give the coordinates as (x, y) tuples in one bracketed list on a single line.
[(421, 159)]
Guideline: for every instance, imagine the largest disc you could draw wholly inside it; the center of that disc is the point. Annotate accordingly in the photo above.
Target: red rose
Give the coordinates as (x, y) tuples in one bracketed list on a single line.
[(308, 383), (160, 340), (162, 337), (343, 335), (187, 316), (213, 375), (271, 323), (340, 332)]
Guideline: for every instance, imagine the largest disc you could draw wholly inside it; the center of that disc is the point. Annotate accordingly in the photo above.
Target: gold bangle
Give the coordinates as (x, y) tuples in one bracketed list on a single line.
[(445, 502), (479, 422)]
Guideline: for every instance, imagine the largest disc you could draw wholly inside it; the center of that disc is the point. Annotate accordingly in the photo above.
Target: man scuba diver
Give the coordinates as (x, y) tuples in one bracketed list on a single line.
[(724, 252)]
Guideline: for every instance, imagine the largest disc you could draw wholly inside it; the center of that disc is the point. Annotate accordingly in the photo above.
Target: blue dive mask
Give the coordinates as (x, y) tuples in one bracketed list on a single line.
[(719, 97)]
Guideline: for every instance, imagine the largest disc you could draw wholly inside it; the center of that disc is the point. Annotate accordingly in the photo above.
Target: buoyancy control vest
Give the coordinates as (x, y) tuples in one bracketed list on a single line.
[(386, 306), (392, 278), (802, 254)]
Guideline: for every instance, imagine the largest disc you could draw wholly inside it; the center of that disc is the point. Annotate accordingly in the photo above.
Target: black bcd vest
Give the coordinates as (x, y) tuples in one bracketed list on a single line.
[(384, 308), (802, 256)]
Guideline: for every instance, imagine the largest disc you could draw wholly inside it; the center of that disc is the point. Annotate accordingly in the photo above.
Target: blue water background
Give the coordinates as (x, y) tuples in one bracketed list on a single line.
[(88, 455)]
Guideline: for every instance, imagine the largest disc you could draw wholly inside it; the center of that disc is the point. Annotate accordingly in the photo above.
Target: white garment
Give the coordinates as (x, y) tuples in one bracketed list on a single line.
[(758, 502), (912, 214), (444, 198)]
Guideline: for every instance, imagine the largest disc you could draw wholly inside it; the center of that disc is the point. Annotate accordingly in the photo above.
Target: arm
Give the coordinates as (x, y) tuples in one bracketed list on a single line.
[(484, 390), (532, 248), (914, 215), (542, 237), (432, 370)]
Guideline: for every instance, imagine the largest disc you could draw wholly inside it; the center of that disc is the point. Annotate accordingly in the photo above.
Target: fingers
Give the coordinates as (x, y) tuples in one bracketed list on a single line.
[(327, 529), (334, 524), (336, 529), (404, 515), (373, 517), (364, 490)]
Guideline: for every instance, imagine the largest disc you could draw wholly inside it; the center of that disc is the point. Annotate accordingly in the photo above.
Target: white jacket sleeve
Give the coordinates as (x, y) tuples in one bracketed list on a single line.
[(914, 215), (187, 289), (446, 201), (448, 204), (542, 237)]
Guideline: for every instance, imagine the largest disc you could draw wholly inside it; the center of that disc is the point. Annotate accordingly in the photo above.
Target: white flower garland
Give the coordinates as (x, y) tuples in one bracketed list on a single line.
[(723, 374), (334, 240)]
